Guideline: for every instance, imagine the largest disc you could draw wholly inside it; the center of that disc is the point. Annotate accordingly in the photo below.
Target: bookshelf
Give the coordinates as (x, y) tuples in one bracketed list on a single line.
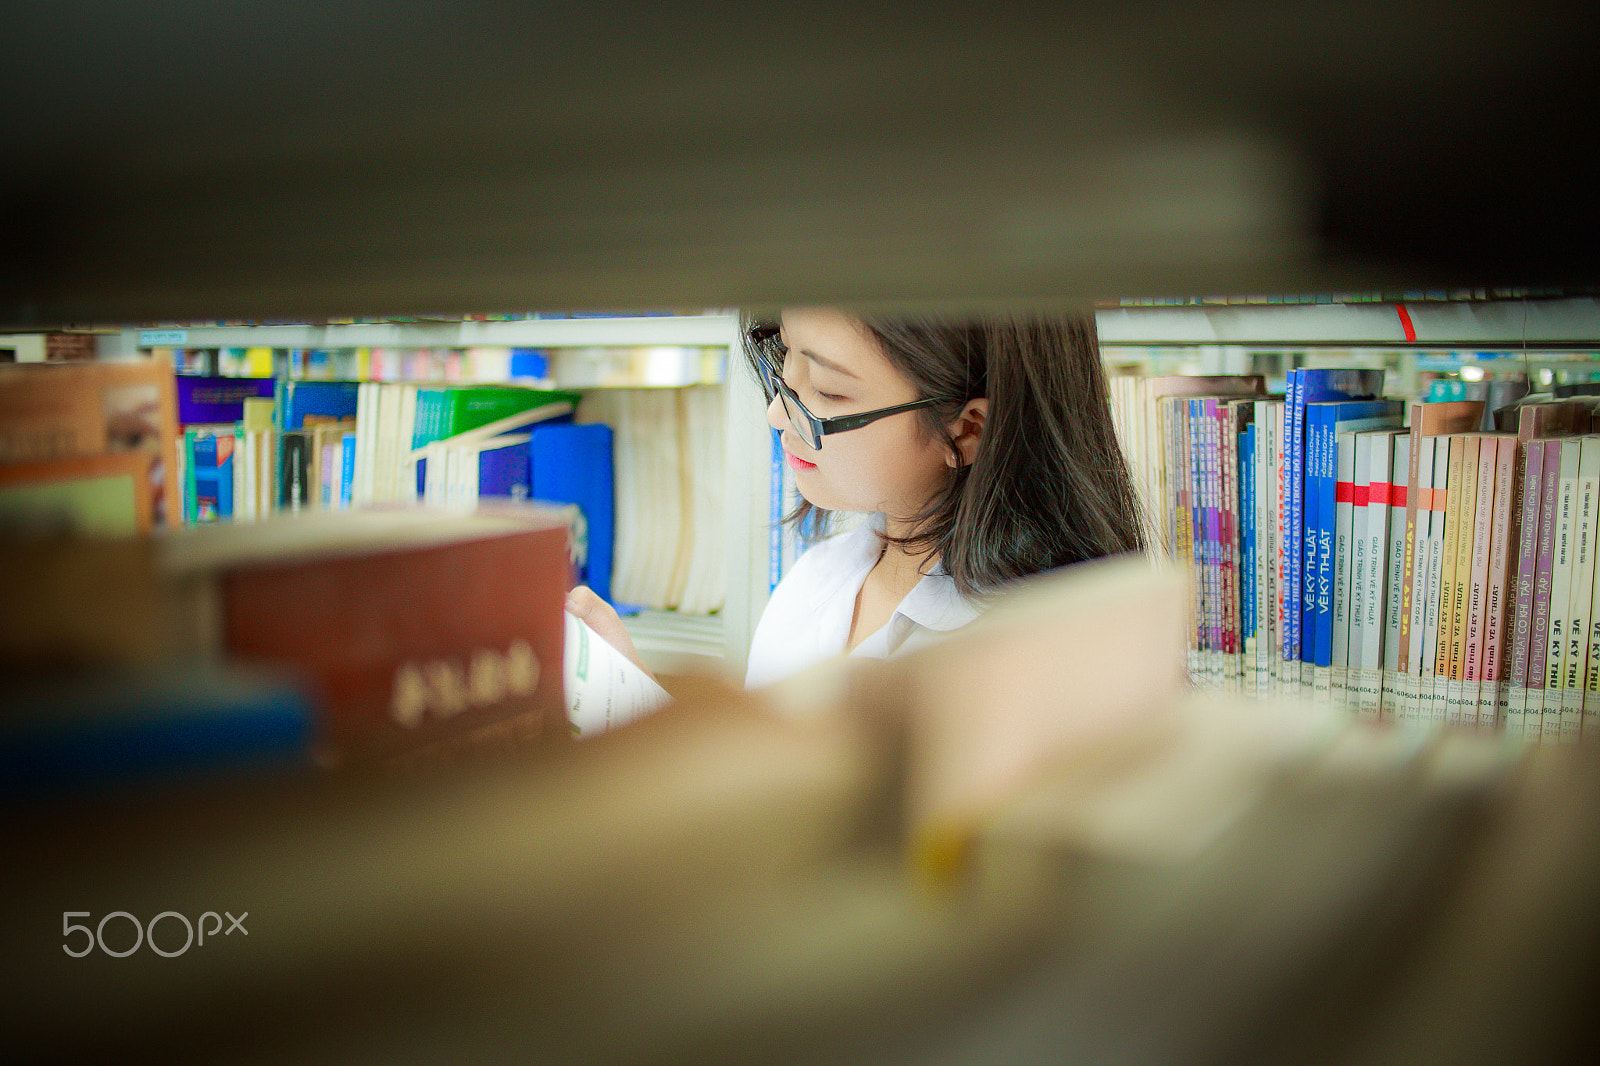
[(588, 353), (1212, 446)]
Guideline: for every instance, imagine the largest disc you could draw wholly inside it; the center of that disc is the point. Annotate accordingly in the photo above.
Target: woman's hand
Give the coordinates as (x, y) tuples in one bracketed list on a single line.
[(602, 618)]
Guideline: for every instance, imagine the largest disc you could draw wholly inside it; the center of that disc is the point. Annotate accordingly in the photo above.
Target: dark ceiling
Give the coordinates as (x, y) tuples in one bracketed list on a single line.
[(299, 159)]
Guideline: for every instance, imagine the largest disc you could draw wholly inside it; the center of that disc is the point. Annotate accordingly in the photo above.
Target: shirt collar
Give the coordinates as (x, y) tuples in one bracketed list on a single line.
[(933, 603)]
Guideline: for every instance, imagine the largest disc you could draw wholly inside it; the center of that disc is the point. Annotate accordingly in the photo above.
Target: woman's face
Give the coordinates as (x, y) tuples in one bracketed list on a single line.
[(836, 367)]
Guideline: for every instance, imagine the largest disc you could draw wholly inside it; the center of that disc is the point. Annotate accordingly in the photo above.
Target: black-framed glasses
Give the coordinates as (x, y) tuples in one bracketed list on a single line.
[(808, 426)]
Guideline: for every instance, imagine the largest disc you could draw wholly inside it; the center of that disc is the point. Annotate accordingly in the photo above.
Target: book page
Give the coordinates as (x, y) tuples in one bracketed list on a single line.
[(604, 687)]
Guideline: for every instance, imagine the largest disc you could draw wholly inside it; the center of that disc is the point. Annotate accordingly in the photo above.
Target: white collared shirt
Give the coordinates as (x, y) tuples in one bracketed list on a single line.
[(807, 620)]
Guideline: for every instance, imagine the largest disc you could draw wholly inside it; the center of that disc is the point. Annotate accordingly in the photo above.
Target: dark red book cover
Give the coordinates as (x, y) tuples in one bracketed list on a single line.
[(417, 641)]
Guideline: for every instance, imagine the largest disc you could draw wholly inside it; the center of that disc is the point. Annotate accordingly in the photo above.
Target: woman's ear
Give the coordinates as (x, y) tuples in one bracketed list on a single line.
[(966, 430)]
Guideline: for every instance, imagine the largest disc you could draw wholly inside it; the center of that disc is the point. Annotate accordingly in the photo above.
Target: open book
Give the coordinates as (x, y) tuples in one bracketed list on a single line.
[(604, 687)]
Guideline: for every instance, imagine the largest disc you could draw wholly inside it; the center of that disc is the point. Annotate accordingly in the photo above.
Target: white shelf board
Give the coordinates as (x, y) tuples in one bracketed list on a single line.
[(1489, 324), (681, 330)]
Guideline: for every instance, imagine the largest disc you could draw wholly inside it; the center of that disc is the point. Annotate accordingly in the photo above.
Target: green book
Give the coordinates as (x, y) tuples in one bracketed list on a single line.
[(469, 407)]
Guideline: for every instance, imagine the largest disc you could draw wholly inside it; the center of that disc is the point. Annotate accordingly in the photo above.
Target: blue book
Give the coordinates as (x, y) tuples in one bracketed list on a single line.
[(1247, 533), (504, 468), (573, 463), (208, 476), (1308, 386), (347, 468), (1324, 422), (121, 728), (329, 399)]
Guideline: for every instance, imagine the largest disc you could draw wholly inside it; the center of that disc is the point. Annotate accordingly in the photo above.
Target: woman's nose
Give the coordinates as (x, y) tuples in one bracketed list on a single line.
[(777, 417)]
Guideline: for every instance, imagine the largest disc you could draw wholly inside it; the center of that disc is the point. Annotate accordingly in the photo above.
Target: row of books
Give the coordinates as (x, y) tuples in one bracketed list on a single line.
[(537, 367), (1432, 571), (645, 466), (671, 462), (479, 364)]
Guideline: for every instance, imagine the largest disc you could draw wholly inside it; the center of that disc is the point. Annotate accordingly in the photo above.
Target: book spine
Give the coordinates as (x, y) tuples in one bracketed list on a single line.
[(1310, 498), (1589, 703), (1391, 704), (1408, 610), (1250, 551), (1204, 442), (1563, 559), (1269, 482), (1370, 537), (1497, 596), (1527, 563), (1463, 515), (1347, 561), (1577, 629), (1538, 641), (1475, 641), (1293, 454), (1431, 690)]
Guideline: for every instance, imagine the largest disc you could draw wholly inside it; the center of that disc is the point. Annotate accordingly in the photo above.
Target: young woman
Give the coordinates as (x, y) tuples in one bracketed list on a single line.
[(983, 452)]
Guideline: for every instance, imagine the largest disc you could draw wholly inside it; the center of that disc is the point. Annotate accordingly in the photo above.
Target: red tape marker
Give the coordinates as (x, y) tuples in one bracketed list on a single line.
[(1405, 322)]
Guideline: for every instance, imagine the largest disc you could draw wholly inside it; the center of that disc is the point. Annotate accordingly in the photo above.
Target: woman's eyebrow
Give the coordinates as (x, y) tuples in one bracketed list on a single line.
[(830, 364)]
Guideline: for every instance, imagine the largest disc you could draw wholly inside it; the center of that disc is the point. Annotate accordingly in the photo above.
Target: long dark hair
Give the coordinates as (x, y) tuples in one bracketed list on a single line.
[(1048, 485)]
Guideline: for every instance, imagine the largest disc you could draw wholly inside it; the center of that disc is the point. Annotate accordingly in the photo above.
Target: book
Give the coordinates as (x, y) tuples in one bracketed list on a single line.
[(1369, 610), (1391, 700), (1498, 590), (1563, 564), (1528, 522), (298, 400), (97, 496), (1431, 692), (573, 463), (73, 411), (215, 399), (604, 688), (102, 729), (1475, 582), (397, 617), (1538, 641), (1576, 631), (208, 473)]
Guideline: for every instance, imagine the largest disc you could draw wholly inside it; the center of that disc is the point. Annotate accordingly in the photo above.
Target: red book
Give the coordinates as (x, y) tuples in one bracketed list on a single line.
[(419, 631)]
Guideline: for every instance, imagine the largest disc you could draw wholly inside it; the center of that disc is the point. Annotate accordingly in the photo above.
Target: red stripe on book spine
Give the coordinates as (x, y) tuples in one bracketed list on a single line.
[(1381, 493), (1343, 492), (1360, 495), (1397, 495)]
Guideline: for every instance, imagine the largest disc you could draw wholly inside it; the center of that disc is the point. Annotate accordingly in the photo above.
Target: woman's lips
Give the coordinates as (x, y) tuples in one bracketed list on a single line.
[(798, 463)]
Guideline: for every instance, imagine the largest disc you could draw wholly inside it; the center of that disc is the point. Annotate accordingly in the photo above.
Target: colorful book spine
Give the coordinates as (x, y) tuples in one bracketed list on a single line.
[(1389, 697), (1432, 690), (1575, 655), (1457, 569), (1474, 640), (1497, 595), (1348, 560), (1249, 543), (1563, 559), (1527, 563), (1538, 643)]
